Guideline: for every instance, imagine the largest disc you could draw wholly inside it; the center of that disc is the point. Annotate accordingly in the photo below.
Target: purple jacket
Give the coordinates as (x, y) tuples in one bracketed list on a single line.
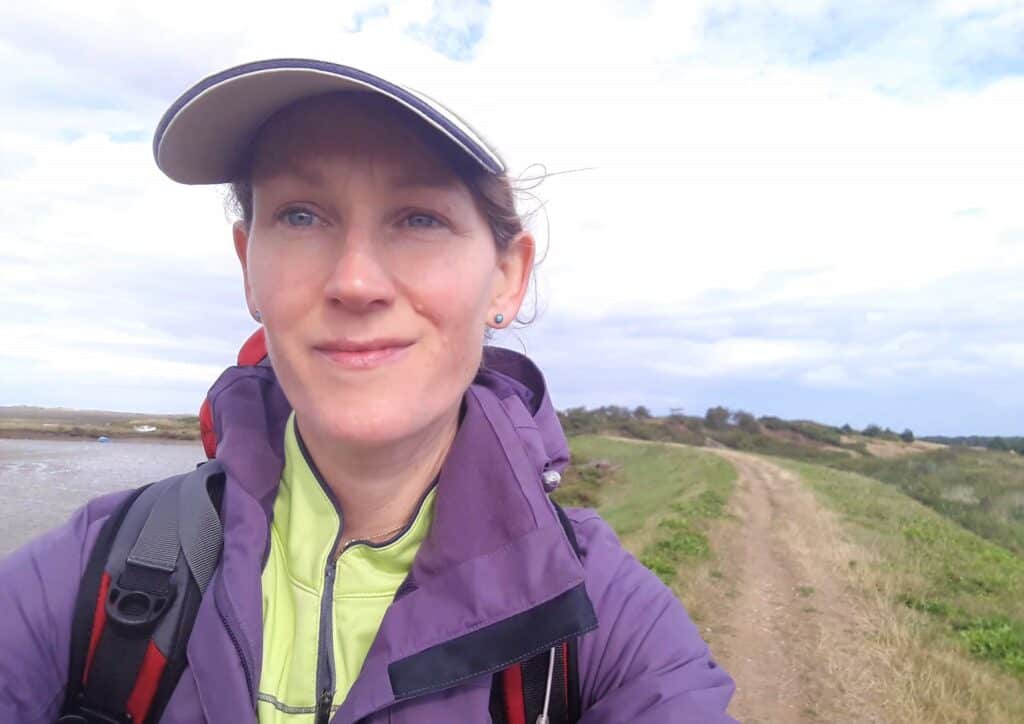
[(495, 579)]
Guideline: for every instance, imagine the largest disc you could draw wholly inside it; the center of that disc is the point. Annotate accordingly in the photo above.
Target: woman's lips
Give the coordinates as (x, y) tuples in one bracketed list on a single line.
[(364, 359)]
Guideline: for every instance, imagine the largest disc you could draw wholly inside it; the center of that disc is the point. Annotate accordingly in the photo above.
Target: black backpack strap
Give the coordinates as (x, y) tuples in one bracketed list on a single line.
[(572, 669), (519, 694), (572, 686), (139, 597), (87, 603), (563, 518)]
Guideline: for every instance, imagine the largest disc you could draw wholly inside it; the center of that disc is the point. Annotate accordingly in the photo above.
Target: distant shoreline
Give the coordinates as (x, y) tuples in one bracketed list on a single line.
[(8, 434), (40, 423)]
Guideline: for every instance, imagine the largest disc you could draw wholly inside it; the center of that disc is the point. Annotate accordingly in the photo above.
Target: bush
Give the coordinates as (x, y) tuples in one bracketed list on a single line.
[(907, 435), (717, 418), (746, 422)]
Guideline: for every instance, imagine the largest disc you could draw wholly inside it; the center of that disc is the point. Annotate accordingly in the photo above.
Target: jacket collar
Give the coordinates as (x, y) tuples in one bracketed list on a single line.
[(496, 578)]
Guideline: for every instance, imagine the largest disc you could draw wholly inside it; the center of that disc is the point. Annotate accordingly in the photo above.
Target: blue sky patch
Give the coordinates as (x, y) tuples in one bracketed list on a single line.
[(360, 19), (455, 28)]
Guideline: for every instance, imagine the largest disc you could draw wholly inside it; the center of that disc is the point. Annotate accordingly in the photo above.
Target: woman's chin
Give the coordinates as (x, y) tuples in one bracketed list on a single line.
[(364, 428)]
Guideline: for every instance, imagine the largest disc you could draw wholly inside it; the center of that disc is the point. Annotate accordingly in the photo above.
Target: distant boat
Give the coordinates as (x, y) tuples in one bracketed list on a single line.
[(103, 438), (145, 428)]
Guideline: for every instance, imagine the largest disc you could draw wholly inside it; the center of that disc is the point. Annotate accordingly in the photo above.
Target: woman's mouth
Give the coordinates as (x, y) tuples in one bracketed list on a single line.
[(363, 355)]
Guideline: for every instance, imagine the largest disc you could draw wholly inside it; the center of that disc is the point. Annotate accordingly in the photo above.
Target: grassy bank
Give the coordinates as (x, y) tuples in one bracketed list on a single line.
[(660, 499), (953, 595), (981, 490)]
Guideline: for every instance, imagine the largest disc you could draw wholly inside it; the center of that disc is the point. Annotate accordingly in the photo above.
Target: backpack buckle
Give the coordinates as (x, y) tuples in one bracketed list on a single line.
[(136, 611)]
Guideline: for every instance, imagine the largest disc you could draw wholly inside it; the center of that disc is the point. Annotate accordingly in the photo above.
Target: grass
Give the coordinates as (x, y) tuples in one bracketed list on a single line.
[(658, 498), (681, 537), (961, 596), (941, 609), (981, 490)]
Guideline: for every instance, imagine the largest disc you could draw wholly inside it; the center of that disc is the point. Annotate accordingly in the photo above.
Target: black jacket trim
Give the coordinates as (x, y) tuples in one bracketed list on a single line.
[(494, 647)]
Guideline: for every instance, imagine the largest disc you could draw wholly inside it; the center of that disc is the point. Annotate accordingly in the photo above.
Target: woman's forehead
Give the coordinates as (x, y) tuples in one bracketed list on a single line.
[(322, 134)]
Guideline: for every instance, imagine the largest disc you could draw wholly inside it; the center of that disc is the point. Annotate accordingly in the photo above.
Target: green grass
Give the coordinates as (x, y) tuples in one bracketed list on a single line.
[(658, 498), (970, 587), (981, 490)]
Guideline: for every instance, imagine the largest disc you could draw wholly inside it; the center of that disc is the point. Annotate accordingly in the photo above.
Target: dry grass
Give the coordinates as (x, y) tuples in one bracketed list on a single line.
[(923, 677), (891, 448), (911, 658)]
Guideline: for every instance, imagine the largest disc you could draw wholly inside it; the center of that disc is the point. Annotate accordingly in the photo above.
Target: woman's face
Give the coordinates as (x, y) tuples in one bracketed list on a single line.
[(373, 270)]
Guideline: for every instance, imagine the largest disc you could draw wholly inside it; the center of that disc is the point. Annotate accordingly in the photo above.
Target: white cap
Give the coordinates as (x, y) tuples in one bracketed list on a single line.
[(204, 135)]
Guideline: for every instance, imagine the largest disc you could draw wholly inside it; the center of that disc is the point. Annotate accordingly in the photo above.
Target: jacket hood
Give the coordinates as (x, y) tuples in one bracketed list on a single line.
[(507, 374), (510, 375)]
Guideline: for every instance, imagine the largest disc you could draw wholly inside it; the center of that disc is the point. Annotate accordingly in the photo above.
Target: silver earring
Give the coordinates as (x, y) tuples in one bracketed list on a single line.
[(259, 317), (499, 318)]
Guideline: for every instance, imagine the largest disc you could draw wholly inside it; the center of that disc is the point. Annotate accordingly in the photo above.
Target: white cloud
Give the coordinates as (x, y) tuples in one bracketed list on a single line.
[(744, 355)]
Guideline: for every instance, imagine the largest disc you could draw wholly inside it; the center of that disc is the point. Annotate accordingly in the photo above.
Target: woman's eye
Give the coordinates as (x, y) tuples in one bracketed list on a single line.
[(422, 221), (299, 217)]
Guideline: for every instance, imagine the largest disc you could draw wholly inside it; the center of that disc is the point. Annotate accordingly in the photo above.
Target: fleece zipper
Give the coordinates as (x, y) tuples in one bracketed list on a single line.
[(325, 678)]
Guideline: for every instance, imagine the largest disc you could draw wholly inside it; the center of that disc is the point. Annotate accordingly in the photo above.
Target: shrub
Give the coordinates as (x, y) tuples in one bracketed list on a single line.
[(717, 418), (996, 639), (746, 422)]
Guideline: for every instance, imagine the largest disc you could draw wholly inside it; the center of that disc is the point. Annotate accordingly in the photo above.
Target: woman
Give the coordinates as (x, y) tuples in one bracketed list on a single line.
[(388, 540)]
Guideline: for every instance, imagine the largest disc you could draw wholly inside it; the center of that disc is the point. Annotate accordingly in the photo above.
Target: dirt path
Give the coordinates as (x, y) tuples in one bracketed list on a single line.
[(781, 618)]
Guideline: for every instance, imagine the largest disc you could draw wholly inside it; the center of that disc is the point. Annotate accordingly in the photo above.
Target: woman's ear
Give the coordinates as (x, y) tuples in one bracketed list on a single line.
[(240, 233), (514, 266)]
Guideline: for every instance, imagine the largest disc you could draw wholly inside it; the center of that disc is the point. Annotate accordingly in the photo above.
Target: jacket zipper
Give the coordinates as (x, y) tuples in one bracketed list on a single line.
[(325, 644)]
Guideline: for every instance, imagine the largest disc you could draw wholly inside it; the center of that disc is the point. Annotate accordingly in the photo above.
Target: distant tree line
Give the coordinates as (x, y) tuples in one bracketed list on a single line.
[(997, 442), (882, 433), (639, 422)]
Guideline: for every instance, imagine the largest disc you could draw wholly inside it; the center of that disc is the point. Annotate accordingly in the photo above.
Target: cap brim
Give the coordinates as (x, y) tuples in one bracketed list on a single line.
[(203, 136)]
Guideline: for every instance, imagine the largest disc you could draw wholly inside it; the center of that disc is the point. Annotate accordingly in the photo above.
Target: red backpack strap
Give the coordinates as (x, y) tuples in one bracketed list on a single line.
[(251, 353), (519, 694)]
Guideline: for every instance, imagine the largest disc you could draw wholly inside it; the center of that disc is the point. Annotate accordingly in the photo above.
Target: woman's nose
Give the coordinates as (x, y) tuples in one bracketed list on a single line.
[(359, 277)]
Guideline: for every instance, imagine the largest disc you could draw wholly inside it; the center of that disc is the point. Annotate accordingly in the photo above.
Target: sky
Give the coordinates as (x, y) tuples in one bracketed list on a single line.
[(805, 209)]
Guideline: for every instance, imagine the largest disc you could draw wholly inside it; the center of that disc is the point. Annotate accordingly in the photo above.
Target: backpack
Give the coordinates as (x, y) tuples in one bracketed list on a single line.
[(140, 593)]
